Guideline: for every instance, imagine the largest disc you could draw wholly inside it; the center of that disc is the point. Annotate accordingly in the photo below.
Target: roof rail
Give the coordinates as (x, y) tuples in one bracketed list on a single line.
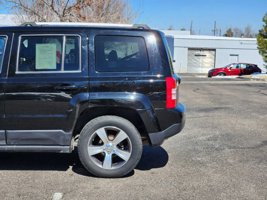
[(141, 26), (28, 24), (109, 25)]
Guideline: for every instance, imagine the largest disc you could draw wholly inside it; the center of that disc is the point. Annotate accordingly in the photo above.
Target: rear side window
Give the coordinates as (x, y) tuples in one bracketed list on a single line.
[(168, 52), (49, 53), (120, 54), (244, 66), (72, 53), (2, 50)]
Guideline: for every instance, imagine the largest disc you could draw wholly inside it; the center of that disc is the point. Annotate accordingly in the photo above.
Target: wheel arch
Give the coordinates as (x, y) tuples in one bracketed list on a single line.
[(126, 113), (221, 72)]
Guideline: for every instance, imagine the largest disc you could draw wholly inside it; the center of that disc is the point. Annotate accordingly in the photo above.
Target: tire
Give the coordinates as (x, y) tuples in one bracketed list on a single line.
[(221, 74), (110, 147)]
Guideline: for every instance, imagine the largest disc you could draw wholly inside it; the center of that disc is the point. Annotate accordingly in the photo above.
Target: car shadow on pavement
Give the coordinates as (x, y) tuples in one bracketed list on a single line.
[(36, 161), (153, 157)]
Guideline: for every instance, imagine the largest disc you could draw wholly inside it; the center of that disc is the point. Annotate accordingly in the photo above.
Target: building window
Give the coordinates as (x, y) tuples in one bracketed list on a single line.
[(120, 54), (49, 53)]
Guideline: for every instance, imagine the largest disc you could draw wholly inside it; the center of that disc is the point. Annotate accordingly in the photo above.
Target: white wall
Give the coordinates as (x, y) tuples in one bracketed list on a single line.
[(180, 57), (245, 55)]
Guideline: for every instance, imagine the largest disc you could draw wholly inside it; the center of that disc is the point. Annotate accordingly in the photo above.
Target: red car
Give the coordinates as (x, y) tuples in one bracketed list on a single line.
[(235, 69)]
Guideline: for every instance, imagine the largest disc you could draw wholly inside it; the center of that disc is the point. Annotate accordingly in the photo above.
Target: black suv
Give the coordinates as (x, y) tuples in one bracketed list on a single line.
[(107, 89)]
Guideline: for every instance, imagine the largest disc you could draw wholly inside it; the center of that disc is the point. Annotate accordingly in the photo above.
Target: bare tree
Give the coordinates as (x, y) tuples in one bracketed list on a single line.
[(170, 27), (238, 32), (229, 33), (248, 33), (111, 11), (104, 11)]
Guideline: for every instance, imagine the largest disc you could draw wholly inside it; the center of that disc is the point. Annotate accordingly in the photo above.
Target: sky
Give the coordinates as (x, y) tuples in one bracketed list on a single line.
[(162, 14), (179, 14)]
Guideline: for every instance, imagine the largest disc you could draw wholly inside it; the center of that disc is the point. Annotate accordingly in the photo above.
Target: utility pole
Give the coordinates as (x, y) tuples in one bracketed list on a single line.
[(215, 29), (191, 27)]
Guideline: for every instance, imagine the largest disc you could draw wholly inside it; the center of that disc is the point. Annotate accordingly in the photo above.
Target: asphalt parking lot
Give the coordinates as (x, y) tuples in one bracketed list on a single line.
[(221, 154)]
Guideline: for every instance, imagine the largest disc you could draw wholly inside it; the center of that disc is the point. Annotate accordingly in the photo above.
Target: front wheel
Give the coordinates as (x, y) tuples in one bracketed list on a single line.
[(109, 146)]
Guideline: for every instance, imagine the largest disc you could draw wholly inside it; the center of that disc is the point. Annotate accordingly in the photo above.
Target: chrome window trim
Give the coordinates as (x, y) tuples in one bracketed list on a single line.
[(4, 51), (63, 55)]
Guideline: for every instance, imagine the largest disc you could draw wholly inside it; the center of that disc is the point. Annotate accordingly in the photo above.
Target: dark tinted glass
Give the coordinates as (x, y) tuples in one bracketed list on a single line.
[(72, 54), (2, 49), (120, 54)]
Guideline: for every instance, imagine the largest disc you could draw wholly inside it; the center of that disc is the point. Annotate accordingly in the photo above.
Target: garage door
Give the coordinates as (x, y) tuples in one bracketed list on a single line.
[(200, 60)]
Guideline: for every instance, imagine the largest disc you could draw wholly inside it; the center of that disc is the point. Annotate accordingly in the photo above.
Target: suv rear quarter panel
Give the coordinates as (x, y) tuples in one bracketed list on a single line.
[(151, 82), (137, 90)]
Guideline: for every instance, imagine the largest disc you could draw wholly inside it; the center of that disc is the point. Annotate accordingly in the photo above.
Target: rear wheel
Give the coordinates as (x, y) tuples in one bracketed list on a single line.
[(110, 146)]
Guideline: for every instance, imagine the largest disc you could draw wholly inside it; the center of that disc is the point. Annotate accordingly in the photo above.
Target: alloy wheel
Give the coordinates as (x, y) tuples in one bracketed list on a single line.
[(109, 147)]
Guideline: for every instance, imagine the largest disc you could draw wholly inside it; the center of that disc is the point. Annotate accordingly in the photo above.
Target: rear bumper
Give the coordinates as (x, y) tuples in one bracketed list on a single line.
[(158, 138)]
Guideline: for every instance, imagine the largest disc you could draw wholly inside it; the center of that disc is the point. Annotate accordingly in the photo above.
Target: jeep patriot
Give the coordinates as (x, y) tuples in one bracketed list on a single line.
[(106, 89)]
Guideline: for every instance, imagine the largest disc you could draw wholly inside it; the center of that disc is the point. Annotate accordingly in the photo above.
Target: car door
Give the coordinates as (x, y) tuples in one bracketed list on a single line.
[(242, 68), (4, 49), (249, 69), (234, 70), (47, 71)]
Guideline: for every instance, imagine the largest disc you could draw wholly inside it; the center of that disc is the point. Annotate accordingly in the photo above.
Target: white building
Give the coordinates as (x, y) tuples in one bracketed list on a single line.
[(198, 54)]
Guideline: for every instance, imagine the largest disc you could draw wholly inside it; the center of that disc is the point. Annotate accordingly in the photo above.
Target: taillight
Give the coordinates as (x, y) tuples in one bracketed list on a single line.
[(171, 89)]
